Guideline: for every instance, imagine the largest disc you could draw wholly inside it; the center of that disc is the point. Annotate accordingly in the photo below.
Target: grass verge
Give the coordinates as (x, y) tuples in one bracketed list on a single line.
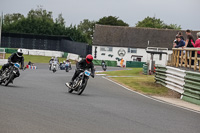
[(39, 59), (141, 83)]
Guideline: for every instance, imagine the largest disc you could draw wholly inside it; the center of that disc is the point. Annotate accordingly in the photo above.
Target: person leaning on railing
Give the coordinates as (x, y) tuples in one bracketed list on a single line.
[(189, 43), (179, 43), (197, 44)]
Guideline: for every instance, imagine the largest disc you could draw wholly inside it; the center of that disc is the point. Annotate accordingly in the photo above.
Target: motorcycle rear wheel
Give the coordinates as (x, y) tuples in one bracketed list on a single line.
[(9, 79)]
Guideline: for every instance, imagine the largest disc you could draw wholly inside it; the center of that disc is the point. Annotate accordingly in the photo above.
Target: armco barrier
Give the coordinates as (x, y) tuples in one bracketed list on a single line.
[(160, 75), (145, 69), (184, 82), (192, 87)]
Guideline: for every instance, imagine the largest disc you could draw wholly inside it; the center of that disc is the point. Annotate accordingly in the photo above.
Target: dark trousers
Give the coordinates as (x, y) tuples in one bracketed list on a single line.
[(77, 72), (5, 66)]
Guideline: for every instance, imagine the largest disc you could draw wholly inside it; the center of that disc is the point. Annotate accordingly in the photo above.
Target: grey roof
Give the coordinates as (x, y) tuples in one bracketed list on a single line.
[(122, 36)]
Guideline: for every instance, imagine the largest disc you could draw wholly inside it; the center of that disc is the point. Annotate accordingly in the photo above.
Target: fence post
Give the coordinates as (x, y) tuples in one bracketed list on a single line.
[(195, 60), (177, 63), (190, 59), (181, 58), (175, 57), (186, 58)]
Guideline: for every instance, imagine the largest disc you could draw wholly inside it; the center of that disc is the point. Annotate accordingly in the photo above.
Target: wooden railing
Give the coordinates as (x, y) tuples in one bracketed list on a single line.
[(186, 57)]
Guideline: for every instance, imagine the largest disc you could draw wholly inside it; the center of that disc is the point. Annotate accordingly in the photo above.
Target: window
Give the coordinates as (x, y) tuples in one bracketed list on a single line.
[(110, 49), (132, 50)]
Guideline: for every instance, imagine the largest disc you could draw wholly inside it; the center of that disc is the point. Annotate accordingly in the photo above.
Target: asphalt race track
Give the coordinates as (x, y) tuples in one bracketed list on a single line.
[(38, 102)]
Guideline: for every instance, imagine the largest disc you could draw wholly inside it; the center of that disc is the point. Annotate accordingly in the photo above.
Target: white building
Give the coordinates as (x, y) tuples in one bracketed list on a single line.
[(116, 42), (128, 54)]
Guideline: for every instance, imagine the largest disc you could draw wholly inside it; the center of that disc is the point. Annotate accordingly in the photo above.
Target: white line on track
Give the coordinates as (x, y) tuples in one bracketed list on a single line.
[(151, 97)]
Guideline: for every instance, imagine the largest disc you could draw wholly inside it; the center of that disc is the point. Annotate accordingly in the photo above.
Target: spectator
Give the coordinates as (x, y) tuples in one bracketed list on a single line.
[(180, 34), (122, 62), (180, 43), (197, 44), (190, 43), (175, 41), (190, 39)]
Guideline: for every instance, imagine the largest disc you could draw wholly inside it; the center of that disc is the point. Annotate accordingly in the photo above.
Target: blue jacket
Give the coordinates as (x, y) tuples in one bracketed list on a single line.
[(180, 44)]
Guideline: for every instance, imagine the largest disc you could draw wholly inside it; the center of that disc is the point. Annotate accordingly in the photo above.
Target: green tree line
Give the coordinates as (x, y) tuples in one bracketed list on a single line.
[(40, 21)]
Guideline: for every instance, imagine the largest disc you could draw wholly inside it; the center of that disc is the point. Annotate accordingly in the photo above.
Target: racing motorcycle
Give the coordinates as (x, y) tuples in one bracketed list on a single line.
[(9, 74), (80, 82), (67, 65), (104, 66), (54, 67)]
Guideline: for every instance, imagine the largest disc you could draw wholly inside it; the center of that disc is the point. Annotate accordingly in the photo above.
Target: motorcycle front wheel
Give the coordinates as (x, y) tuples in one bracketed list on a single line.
[(80, 91), (70, 90)]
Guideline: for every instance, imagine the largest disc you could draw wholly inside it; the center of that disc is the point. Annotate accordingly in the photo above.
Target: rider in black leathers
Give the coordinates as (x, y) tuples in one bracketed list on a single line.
[(14, 58), (83, 64)]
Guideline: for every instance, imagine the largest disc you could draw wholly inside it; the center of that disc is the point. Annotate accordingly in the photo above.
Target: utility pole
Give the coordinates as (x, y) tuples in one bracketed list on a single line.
[(1, 21)]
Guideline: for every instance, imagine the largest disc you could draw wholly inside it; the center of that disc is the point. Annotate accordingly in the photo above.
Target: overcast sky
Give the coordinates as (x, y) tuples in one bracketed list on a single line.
[(180, 12)]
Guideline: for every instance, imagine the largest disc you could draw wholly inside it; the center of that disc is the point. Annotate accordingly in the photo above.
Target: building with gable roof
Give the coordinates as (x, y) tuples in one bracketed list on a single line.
[(130, 43)]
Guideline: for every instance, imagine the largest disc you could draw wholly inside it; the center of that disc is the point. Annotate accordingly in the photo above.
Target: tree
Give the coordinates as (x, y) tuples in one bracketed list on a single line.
[(60, 20), (156, 23), (110, 20), (75, 34), (40, 21), (86, 27), (172, 26), (59, 26)]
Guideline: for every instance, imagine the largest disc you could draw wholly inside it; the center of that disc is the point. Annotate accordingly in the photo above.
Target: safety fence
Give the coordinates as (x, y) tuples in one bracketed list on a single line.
[(184, 82), (44, 42), (37, 52), (186, 57), (134, 64)]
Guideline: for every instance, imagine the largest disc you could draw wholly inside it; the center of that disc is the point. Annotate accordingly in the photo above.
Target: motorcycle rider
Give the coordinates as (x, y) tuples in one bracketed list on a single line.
[(14, 58), (103, 63), (50, 62), (70, 66), (83, 64)]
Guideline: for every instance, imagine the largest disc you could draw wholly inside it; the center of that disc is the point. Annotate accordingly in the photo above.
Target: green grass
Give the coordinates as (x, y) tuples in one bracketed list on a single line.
[(39, 59), (139, 82), (131, 72)]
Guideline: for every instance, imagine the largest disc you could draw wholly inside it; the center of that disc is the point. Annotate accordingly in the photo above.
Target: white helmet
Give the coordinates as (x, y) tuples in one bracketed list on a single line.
[(19, 52)]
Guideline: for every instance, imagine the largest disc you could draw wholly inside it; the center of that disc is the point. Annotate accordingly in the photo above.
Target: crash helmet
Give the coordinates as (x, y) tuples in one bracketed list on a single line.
[(89, 58), (19, 52)]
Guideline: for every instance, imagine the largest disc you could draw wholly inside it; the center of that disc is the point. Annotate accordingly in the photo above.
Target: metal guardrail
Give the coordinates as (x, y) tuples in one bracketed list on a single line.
[(184, 82), (186, 57)]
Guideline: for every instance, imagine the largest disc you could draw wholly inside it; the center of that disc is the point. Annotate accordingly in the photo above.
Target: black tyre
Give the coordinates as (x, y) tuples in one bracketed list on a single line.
[(70, 90), (9, 79), (80, 91)]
